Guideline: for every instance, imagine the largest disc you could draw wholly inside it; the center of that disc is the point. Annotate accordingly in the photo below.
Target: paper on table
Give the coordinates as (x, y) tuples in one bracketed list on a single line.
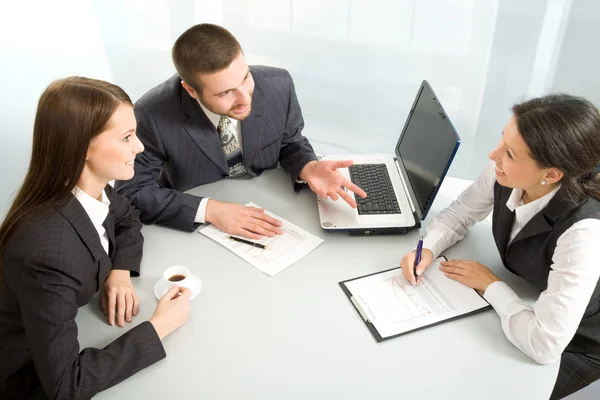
[(284, 250), (394, 306)]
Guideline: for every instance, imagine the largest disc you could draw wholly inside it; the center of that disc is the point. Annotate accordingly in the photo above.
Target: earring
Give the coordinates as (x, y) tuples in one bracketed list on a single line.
[(544, 182)]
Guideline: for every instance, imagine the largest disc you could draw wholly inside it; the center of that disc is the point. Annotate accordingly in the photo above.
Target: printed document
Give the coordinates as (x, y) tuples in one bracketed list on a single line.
[(283, 250), (394, 306)]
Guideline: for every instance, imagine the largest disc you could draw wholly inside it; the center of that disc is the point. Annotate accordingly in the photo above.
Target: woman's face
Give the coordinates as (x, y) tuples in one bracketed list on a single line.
[(111, 154), (515, 168)]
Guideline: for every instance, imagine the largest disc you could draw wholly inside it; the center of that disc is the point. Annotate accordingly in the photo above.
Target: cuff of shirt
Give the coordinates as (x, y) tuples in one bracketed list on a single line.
[(201, 213), (432, 242), (500, 296)]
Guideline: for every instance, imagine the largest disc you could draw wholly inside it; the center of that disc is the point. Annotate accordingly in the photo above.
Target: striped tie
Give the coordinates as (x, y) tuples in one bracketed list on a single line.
[(231, 147)]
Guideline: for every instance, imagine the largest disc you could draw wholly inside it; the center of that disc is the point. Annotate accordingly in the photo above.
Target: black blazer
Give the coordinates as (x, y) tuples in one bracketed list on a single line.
[(49, 270), (183, 149)]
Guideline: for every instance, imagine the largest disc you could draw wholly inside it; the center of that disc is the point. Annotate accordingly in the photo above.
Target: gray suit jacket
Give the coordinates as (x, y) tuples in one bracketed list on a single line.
[(183, 149), (50, 269)]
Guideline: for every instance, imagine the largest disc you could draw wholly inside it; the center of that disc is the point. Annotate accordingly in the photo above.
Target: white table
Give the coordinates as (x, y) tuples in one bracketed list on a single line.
[(296, 335)]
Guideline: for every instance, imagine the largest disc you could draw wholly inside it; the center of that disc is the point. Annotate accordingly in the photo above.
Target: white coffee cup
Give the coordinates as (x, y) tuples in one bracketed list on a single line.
[(177, 275)]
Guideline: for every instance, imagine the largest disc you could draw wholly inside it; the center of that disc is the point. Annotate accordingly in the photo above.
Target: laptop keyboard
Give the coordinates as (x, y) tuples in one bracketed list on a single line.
[(375, 180)]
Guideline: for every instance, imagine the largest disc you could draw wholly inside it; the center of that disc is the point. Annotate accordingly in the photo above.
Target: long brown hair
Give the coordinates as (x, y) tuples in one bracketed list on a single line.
[(70, 113), (563, 131)]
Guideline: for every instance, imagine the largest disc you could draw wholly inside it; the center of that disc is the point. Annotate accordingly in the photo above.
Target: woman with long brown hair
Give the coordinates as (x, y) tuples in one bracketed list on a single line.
[(543, 190), (67, 235)]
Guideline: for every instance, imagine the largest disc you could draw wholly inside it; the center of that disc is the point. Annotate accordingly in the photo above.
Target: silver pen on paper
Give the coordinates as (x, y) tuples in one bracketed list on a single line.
[(359, 309)]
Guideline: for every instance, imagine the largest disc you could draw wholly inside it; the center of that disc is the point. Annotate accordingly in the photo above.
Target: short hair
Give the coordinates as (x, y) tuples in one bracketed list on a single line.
[(204, 48)]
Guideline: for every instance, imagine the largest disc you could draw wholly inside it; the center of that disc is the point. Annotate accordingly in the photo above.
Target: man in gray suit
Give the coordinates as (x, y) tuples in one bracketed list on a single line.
[(218, 118)]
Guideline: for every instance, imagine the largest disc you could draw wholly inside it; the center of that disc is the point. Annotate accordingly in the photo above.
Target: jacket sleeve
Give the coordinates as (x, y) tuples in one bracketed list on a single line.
[(129, 241), (157, 204), (47, 299), (296, 150)]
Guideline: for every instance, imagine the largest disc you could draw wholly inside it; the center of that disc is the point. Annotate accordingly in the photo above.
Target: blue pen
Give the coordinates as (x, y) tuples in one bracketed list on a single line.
[(418, 254)]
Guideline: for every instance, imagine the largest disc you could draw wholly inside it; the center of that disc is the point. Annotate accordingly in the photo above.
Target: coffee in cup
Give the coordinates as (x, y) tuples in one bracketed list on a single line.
[(177, 275)]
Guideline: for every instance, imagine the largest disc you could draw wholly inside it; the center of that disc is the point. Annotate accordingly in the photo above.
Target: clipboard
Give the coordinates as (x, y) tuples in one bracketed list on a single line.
[(365, 314)]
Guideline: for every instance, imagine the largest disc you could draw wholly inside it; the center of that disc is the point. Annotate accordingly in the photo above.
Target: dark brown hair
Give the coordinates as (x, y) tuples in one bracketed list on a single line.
[(70, 113), (563, 132), (205, 49)]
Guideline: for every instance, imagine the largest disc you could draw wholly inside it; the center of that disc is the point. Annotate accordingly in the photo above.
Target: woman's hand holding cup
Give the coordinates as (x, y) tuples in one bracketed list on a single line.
[(172, 311)]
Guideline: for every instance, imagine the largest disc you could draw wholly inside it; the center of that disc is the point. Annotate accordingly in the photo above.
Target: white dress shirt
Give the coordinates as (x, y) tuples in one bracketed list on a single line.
[(541, 331), (97, 211), (237, 130)]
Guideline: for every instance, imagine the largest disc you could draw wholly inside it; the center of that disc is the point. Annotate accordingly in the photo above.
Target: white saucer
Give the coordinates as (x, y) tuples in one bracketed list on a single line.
[(161, 288)]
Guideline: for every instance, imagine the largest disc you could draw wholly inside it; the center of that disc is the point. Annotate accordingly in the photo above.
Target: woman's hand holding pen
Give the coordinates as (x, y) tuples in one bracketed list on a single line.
[(470, 273), (408, 265)]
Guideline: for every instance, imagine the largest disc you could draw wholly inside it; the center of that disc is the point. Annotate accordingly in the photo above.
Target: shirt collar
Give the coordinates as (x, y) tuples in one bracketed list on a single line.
[(527, 211), (215, 118), (96, 210)]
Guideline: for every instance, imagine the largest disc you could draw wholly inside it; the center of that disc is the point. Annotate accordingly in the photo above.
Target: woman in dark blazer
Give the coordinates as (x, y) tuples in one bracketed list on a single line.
[(67, 235), (543, 191)]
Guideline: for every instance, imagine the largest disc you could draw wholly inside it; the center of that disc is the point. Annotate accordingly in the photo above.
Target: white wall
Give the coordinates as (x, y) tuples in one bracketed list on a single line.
[(356, 63)]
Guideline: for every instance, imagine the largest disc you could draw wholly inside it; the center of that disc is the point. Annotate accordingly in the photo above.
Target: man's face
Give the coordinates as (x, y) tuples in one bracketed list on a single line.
[(229, 91)]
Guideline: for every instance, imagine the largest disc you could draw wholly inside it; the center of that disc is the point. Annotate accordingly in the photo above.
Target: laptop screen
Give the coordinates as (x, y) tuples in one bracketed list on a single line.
[(426, 147)]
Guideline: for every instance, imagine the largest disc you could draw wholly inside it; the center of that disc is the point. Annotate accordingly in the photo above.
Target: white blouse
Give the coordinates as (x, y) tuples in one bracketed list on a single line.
[(544, 330)]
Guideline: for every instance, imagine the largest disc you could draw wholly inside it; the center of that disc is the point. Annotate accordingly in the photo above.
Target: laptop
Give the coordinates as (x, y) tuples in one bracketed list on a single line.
[(401, 188)]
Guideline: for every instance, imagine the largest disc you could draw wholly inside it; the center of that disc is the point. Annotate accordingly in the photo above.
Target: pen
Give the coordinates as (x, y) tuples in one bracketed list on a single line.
[(418, 254), (237, 239)]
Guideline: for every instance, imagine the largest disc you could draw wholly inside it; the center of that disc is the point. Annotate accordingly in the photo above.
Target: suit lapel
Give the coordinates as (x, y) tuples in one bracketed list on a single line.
[(74, 212), (109, 226), (543, 221), (252, 128), (505, 222), (202, 131), (535, 226)]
